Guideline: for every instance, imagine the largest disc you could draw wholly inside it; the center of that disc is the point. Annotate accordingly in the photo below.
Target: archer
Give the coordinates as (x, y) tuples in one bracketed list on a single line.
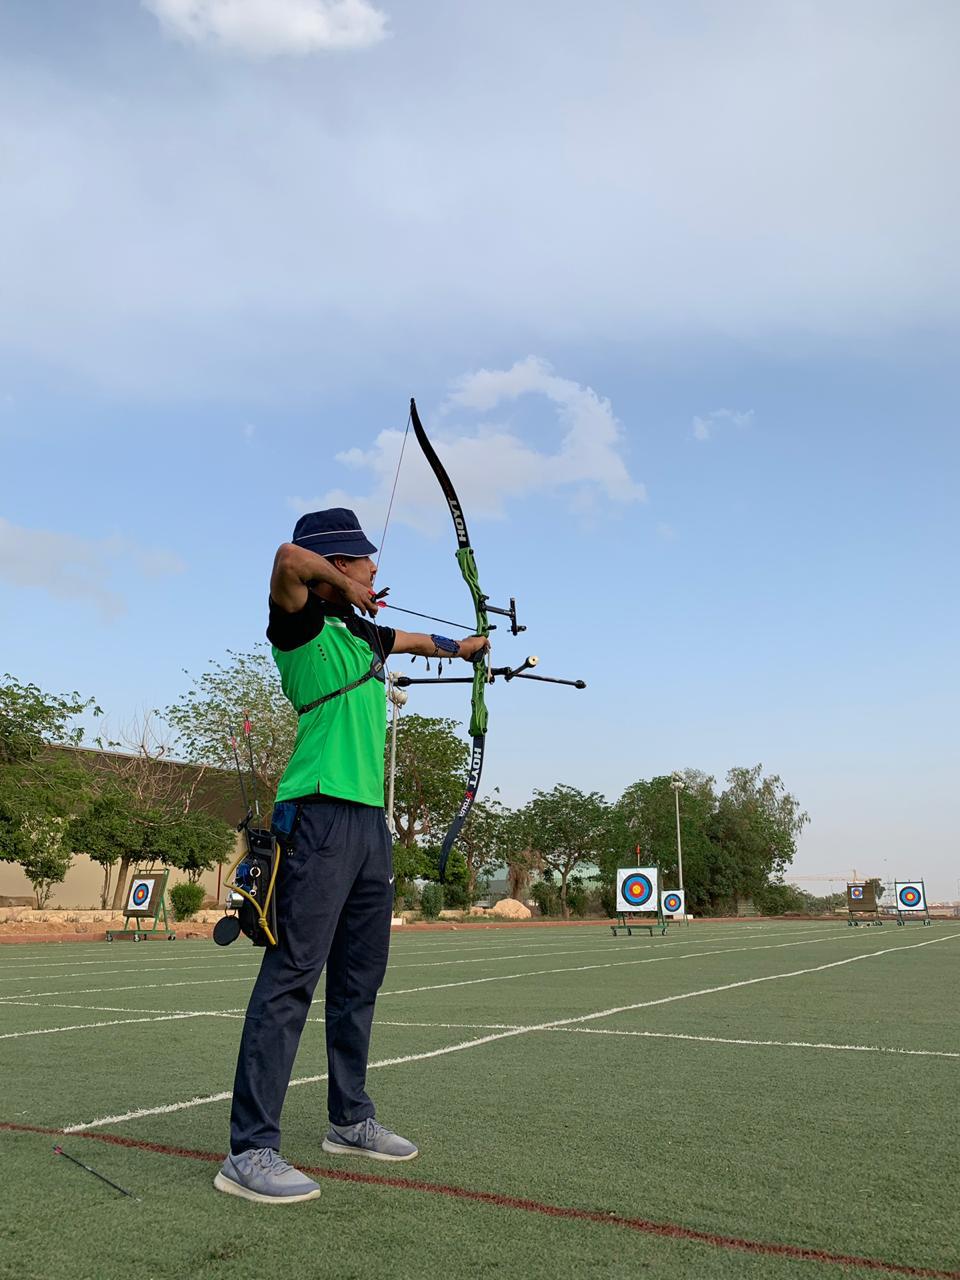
[(334, 890)]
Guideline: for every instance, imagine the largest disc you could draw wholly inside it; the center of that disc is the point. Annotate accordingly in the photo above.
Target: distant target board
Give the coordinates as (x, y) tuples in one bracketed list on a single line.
[(673, 902), (637, 889), (861, 897), (910, 895), (142, 898)]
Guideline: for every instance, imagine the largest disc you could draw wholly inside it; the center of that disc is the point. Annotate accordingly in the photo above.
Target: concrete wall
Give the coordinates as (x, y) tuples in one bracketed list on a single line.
[(84, 880)]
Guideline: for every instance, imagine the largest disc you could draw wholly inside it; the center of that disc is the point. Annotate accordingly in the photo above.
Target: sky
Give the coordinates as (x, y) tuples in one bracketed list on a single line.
[(675, 287)]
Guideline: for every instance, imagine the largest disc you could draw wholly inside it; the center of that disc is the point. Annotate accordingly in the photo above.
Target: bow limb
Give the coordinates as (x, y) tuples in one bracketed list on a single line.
[(468, 568)]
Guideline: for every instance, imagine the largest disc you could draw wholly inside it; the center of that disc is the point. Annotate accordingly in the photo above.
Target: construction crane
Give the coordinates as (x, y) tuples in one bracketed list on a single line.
[(844, 877)]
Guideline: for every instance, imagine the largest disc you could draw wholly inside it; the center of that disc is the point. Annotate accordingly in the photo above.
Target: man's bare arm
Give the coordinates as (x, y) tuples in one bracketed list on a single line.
[(295, 566), (423, 646)]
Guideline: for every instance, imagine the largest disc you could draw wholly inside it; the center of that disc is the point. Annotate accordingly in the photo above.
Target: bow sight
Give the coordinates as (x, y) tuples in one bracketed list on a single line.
[(483, 603), (510, 613)]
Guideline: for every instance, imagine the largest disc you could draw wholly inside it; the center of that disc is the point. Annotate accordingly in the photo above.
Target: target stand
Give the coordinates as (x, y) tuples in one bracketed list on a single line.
[(146, 902), (910, 900), (639, 904), (862, 907)]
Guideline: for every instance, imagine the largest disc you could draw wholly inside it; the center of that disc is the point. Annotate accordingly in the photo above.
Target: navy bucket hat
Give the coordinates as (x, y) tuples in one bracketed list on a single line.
[(332, 533)]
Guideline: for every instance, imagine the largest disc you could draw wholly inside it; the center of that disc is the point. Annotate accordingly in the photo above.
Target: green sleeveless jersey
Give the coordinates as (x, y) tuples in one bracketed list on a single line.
[(339, 746)]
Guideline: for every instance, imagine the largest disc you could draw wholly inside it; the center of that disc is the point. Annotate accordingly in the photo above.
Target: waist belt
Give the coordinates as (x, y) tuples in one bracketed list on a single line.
[(375, 668)]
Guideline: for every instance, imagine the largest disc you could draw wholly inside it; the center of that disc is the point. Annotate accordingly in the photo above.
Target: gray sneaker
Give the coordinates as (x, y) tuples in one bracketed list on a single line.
[(368, 1138), (262, 1176)]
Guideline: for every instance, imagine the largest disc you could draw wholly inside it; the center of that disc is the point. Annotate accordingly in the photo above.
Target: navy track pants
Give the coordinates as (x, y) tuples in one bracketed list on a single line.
[(334, 903)]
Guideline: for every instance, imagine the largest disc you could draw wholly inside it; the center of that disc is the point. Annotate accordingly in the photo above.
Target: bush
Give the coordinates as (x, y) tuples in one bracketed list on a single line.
[(778, 899), (187, 899), (456, 897), (577, 900), (547, 897), (405, 895), (431, 901)]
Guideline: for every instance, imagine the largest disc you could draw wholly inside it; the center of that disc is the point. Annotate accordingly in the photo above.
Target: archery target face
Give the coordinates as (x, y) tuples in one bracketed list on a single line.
[(910, 895), (672, 902), (637, 889), (856, 892), (140, 899)]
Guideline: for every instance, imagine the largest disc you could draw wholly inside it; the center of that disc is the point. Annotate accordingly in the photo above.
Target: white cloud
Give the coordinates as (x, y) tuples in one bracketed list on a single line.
[(703, 426), (266, 226), (493, 464), (73, 568), (265, 28)]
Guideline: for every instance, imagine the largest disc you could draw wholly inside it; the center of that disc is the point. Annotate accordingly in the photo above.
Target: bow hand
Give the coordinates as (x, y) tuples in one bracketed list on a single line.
[(474, 649)]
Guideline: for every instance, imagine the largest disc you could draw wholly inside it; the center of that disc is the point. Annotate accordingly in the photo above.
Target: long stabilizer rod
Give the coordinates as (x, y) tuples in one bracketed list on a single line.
[(508, 673), (574, 684)]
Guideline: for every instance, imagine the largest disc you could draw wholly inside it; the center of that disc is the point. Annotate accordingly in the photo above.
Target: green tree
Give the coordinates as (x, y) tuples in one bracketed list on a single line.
[(456, 892), (565, 828), (195, 843), (47, 859), (212, 713), (430, 770), (31, 719), (38, 784), (877, 888), (753, 834), (155, 792), (645, 815), (778, 899), (105, 831), (410, 863), (484, 844)]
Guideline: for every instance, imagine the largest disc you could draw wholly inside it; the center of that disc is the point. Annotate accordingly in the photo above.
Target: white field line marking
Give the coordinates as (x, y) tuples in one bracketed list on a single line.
[(610, 964), (113, 1022), (707, 1040), (398, 944), (447, 1026), (608, 943), (171, 1107), (467, 982), (172, 961), (782, 1044), (127, 969), (137, 986), (397, 947), (111, 1008), (660, 944), (191, 948), (417, 964)]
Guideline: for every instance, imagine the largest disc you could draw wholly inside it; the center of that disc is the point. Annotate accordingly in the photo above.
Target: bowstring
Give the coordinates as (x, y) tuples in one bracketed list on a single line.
[(394, 707), (386, 525)]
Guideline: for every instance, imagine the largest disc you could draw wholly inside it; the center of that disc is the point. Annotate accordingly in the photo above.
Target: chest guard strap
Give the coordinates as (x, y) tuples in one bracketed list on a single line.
[(375, 668)]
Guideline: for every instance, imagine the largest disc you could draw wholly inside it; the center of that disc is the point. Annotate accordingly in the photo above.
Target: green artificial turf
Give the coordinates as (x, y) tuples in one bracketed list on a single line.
[(848, 1151)]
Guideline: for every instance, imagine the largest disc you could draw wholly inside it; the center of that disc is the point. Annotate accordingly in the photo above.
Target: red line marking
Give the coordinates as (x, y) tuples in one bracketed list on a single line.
[(667, 1230)]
